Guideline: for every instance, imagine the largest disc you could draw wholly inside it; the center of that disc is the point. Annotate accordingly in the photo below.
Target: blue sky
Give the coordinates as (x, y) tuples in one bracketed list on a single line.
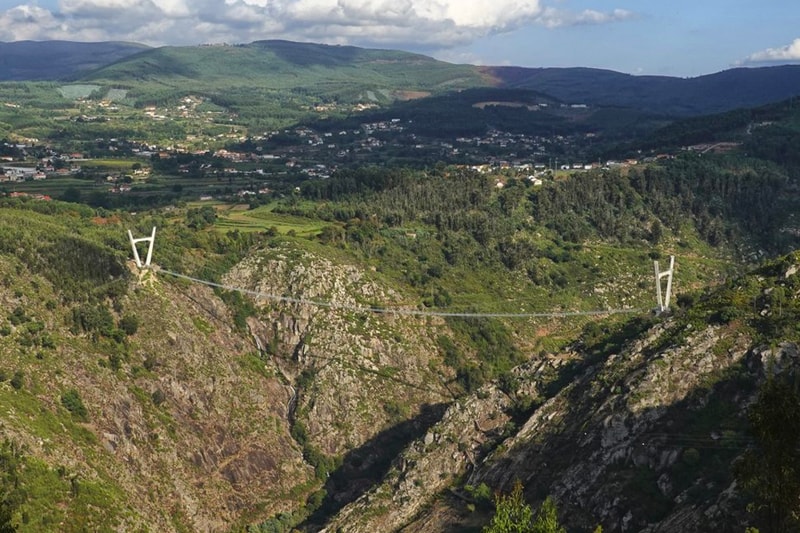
[(675, 38)]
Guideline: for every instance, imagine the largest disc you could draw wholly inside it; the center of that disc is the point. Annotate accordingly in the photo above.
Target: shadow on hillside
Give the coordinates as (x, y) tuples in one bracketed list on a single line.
[(309, 54), (365, 466), (668, 465)]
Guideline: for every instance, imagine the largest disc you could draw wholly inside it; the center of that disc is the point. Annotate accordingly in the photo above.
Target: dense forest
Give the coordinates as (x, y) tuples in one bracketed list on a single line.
[(728, 199)]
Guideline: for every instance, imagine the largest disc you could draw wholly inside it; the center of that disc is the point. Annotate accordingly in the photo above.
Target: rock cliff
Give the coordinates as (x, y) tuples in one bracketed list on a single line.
[(638, 435)]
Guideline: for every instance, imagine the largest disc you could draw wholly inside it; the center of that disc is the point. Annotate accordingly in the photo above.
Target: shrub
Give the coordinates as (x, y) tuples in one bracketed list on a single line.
[(482, 495), (158, 397), (92, 318), (18, 316), (129, 324), (73, 403), (18, 380)]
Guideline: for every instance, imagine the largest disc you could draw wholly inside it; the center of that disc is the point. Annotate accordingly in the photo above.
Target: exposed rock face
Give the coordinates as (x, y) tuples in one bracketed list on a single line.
[(641, 441), (193, 422), (218, 445), (616, 414), (181, 432), (459, 442), (368, 370)]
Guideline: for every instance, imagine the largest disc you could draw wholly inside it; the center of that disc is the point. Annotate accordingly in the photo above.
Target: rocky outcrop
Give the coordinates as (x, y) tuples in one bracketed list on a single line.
[(362, 371), (210, 434), (639, 441), (193, 420), (469, 429)]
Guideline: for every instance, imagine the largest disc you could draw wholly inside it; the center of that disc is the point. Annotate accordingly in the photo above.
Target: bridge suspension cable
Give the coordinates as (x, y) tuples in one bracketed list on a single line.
[(397, 310)]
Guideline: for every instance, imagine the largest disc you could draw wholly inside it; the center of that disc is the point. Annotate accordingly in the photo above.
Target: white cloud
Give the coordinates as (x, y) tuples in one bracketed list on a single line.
[(553, 18), (417, 24), (790, 52)]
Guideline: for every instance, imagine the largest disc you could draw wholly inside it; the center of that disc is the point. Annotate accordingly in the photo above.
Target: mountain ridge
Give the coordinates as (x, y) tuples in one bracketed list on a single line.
[(282, 398), (56, 60), (709, 93), (344, 72)]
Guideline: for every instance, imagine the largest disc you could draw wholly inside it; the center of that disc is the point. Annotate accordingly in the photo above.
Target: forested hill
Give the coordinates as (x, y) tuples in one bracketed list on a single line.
[(347, 74), (770, 132), (54, 60), (713, 93), (339, 72)]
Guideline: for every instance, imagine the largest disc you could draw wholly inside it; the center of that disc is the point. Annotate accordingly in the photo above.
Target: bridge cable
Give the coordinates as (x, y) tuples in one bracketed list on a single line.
[(399, 311)]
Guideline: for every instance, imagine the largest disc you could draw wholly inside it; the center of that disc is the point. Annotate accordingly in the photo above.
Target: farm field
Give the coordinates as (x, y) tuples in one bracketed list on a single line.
[(239, 217)]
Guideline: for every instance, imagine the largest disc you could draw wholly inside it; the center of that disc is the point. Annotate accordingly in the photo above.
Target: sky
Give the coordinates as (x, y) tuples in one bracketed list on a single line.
[(683, 38)]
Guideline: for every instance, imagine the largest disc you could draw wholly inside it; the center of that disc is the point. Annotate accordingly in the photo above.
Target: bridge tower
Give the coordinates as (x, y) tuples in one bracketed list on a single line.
[(663, 301), (150, 240)]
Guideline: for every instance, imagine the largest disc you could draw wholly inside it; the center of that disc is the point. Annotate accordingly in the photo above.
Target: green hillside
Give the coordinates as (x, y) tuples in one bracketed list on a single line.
[(285, 65), (378, 347), (274, 76), (766, 132), (355, 312), (268, 85), (476, 111), (701, 95)]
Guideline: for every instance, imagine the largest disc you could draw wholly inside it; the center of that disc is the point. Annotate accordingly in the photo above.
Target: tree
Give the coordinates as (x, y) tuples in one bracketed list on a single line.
[(71, 194), (512, 514), (770, 473), (200, 218), (547, 518), (12, 495), (129, 324)]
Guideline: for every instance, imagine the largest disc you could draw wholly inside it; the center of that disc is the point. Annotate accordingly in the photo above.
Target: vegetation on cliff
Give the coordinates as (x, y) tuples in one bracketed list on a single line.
[(386, 348)]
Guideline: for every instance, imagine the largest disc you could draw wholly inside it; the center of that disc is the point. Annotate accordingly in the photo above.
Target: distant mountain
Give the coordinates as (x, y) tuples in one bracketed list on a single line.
[(473, 112), (53, 60), (347, 71), (311, 73), (722, 91), (328, 71)]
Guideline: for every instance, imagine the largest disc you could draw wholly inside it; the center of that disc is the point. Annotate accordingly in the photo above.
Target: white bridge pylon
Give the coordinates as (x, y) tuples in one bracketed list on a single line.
[(151, 240), (663, 302)]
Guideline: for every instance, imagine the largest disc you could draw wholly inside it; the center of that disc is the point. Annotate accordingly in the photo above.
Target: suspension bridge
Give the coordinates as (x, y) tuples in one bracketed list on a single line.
[(662, 297)]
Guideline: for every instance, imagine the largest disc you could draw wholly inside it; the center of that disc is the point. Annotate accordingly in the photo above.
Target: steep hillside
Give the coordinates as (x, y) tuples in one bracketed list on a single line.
[(409, 334), (636, 429), (137, 401), (56, 60)]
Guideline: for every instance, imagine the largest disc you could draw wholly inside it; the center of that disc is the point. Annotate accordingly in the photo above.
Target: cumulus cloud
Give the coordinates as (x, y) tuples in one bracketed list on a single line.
[(788, 53), (402, 23)]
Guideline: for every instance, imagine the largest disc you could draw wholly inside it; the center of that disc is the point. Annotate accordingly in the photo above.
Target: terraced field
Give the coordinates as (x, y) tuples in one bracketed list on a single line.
[(239, 217)]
